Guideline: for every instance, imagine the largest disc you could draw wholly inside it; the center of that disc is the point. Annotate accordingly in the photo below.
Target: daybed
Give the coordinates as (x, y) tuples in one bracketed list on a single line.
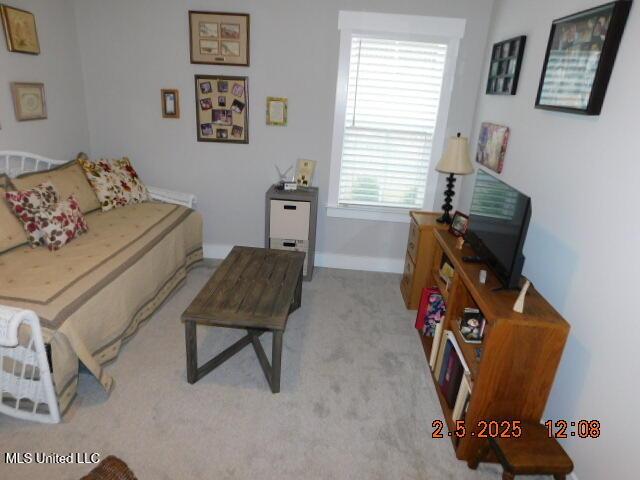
[(93, 293)]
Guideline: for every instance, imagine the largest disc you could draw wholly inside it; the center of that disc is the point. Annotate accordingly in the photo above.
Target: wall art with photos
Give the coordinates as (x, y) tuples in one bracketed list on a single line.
[(170, 103), (219, 38), (580, 55), (504, 72), (29, 101), (20, 30), (222, 110), (492, 146)]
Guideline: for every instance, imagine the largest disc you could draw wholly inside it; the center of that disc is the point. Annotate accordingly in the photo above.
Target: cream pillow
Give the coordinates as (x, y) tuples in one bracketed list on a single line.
[(68, 179), (11, 232)]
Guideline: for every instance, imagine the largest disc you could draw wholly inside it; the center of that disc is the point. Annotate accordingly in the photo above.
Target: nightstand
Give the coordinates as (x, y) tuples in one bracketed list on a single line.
[(290, 222)]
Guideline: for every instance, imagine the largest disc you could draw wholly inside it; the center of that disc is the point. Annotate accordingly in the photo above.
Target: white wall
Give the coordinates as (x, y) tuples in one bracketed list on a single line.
[(583, 176), (65, 132), (133, 48)]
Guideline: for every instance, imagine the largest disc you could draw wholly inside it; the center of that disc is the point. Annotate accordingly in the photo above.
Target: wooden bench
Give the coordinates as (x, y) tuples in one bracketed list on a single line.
[(253, 289), (533, 453)]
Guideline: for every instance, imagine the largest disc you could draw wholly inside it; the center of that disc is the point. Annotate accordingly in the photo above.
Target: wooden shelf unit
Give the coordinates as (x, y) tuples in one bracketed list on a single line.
[(520, 353)]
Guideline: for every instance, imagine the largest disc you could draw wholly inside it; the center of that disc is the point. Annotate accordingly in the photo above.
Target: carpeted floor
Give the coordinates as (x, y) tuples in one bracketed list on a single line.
[(355, 400)]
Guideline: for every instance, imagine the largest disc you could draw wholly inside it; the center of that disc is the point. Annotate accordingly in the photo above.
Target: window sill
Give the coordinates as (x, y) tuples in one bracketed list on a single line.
[(380, 214)]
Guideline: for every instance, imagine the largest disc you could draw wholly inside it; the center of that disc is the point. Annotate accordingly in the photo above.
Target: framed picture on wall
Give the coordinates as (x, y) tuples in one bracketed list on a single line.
[(277, 111), (222, 108), (170, 103), (504, 71), (29, 101), (20, 30), (219, 38), (492, 146), (580, 55)]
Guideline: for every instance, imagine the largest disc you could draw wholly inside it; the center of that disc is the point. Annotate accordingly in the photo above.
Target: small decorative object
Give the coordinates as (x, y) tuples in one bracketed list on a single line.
[(277, 111), (228, 120), (460, 243), (459, 224), (20, 30), (304, 172), (170, 103), (580, 55), (519, 305), (29, 101), (218, 38), (483, 277), (472, 325), (455, 161), (492, 146), (504, 71)]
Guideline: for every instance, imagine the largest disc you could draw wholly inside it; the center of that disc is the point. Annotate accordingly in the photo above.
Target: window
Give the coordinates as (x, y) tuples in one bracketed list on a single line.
[(389, 117)]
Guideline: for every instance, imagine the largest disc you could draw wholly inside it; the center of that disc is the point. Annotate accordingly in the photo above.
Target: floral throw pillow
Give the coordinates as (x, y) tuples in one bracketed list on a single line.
[(61, 223), (116, 183), (26, 204)]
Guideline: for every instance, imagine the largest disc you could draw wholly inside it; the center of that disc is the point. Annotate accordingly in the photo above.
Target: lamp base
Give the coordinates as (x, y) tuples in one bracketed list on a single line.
[(448, 195)]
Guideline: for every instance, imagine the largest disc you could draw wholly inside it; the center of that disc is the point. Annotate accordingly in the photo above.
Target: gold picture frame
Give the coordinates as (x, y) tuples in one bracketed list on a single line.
[(219, 38), (20, 30), (222, 108), (29, 101), (170, 103), (277, 111)]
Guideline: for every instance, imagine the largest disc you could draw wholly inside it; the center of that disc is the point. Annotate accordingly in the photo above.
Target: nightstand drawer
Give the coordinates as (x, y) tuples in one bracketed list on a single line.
[(289, 220), (414, 239), (407, 276)]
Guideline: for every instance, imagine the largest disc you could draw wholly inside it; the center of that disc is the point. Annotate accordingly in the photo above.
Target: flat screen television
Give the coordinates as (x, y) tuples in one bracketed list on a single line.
[(498, 224)]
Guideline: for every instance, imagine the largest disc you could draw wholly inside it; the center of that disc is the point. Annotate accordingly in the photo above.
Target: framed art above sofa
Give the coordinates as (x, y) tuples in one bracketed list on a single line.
[(580, 56)]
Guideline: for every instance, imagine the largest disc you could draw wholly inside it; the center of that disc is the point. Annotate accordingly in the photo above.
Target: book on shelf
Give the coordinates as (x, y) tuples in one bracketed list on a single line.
[(472, 325), (462, 399), (453, 373), (435, 346), (431, 311), (441, 367)]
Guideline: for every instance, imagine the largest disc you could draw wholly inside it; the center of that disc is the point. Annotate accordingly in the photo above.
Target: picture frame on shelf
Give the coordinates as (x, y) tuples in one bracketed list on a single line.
[(580, 55), (219, 38), (20, 30), (222, 108), (504, 68), (29, 101), (277, 111), (170, 103), (459, 224)]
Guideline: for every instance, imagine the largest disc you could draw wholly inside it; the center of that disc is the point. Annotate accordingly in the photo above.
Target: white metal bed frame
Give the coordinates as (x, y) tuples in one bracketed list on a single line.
[(24, 368)]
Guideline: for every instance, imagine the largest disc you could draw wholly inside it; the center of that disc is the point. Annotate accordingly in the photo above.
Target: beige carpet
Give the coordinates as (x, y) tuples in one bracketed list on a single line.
[(355, 400)]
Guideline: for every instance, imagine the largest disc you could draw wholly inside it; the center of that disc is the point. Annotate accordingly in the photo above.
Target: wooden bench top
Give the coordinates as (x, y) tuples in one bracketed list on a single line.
[(251, 288)]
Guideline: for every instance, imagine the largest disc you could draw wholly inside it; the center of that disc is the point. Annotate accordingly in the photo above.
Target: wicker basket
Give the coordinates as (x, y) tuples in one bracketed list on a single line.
[(111, 468)]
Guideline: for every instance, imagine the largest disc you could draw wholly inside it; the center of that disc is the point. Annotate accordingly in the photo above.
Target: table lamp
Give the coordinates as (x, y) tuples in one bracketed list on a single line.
[(455, 161)]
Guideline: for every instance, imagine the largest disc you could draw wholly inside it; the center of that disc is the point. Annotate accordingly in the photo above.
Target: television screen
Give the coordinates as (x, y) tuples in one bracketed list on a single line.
[(498, 222)]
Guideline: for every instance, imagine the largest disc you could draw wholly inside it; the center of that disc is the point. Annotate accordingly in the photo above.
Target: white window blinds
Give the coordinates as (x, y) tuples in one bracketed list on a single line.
[(392, 105)]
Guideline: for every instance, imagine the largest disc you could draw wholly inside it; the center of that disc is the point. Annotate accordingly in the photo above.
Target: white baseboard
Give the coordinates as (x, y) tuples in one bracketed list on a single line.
[(328, 260)]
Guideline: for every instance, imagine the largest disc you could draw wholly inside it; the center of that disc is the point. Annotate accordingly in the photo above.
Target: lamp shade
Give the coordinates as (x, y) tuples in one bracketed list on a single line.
[(456, 157)]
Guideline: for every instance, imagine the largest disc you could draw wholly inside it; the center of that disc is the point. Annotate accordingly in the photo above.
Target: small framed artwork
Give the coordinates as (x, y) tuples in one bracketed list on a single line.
[(492, 146), (29, 101), (170, 103), (304, 172), (459, 224), (277, 111), (219, 38), (222, 109), (20, 30), (504, 70), (581, 51)]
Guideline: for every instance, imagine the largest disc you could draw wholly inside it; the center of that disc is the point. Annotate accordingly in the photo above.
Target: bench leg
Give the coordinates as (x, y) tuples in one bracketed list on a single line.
[(508, 476), (192, 351), (276, 360)]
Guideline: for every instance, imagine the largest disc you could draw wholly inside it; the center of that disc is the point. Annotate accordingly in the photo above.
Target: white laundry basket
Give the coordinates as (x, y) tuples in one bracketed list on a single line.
[(26, 386)]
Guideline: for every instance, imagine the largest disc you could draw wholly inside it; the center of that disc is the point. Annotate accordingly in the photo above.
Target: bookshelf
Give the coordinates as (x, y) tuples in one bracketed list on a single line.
[(519, 353)]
